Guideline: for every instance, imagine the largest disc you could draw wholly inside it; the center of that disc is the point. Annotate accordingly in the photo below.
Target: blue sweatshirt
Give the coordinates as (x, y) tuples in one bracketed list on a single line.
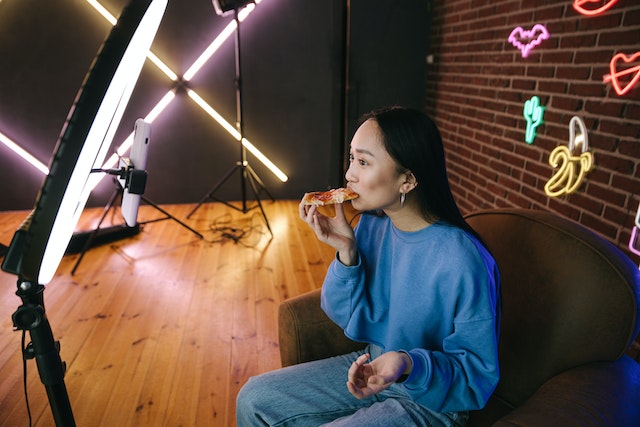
[(432, 293)]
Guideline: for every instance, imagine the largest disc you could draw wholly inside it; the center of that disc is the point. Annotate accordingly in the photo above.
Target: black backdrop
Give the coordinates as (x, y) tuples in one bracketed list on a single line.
[(293, 58)]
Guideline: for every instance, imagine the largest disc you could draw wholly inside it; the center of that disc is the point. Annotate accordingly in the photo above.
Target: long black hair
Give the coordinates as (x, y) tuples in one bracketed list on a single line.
[(414, 142)]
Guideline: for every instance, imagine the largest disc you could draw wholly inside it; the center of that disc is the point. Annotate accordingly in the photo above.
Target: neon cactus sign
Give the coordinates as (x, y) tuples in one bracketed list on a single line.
[(571, 169), (628, 69), (527, 40), (533, 113), (582, 6)]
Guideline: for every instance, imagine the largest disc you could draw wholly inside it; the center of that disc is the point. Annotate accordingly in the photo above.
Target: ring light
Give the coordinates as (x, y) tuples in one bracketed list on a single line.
[(37, 249)]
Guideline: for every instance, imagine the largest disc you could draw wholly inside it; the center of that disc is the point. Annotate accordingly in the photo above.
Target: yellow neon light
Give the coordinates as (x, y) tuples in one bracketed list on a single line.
[(24, 154), (188, 75), (234, 132), (571, 169), (191, 72), (102, 11), (112, 161), (162, 66)]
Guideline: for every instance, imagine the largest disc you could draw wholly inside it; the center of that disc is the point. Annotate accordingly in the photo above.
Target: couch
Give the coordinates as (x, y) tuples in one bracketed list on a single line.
[(569, 303)]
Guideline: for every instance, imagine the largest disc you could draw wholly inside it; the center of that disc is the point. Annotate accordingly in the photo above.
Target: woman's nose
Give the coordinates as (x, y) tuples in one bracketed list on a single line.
[(349, 175)]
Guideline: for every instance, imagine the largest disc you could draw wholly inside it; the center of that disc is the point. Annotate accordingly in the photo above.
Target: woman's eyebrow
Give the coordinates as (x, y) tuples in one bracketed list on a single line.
[(363, 151)]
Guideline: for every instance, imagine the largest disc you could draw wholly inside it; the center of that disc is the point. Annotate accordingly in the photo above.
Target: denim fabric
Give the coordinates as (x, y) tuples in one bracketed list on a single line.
[(315, 394)]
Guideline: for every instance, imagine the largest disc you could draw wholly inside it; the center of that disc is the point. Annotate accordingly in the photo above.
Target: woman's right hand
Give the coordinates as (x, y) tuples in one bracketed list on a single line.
[(334, 231)]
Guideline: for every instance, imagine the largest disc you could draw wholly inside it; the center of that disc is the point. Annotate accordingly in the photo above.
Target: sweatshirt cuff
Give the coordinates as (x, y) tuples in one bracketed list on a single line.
[(417, 369)]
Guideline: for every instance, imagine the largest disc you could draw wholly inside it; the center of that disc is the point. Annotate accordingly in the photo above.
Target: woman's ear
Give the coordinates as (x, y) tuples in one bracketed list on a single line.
[(410, 182)]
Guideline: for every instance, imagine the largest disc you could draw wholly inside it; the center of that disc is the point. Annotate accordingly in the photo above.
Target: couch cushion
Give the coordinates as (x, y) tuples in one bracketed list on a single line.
[(569, 297)]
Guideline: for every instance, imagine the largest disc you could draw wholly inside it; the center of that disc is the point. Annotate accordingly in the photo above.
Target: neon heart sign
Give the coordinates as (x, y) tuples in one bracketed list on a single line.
[(527, 40), (623, 69), (581, 6)]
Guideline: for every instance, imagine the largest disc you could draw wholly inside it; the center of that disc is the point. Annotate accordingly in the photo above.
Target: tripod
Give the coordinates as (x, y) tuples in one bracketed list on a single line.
[(242, 167), (110, 234)]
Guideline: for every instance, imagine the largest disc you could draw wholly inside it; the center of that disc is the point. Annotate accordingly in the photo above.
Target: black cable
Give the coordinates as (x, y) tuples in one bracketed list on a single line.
[(24, 376), (239, 235)]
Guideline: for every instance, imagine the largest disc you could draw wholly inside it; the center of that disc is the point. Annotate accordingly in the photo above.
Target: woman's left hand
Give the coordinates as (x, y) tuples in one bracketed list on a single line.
[(366, 379)]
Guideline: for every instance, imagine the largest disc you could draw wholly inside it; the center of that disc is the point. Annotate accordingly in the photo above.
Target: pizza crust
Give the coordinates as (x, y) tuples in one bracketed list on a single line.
[(321, 198)]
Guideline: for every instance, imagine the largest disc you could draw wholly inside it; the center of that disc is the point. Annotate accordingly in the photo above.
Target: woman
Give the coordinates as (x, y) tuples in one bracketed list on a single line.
[(413, 281)]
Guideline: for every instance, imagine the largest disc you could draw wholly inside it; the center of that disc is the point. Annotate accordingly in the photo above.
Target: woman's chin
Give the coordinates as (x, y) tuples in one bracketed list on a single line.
[(357, 204)]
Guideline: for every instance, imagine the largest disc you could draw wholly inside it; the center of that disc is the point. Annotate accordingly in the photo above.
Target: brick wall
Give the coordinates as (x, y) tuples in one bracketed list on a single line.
[(478, 84)]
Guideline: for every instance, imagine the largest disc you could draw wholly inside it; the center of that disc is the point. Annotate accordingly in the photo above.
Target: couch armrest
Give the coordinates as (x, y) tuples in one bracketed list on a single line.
[(305, 332), (597, 394)]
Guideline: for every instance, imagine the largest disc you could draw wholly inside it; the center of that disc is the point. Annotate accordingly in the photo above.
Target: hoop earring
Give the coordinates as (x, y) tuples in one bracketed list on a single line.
[(403, 197)]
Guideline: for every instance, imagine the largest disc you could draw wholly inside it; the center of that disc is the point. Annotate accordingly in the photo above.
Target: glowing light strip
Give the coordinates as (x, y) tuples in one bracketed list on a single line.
[(24, 154), (162, 66), (572, 169), (527, 40), (634, 241), (191, 72), (113, 21), (112, 161), (578, 6), (234, 132), (533, 113), (102, 11), (613, 77), (217, 42), (188, 75)]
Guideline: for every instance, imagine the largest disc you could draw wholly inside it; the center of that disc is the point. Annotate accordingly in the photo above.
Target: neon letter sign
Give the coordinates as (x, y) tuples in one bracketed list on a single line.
[(533, 113), (527, 40), (578, 5), (572, 169), (622, 88)]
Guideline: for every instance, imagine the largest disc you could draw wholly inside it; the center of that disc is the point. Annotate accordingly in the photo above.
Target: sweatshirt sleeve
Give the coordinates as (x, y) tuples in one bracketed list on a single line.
[(340, 290), (460, 377)]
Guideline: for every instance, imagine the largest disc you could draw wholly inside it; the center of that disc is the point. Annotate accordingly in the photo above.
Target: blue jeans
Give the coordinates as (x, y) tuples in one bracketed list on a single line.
[(315, 394)]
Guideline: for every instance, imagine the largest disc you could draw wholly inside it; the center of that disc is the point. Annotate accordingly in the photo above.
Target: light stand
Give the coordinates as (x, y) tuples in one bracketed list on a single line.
[(30, 316), (247, 174), (37, 248), (122, 231)]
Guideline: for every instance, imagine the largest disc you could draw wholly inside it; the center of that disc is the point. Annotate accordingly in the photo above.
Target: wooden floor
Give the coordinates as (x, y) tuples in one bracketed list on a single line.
[(163, 328)]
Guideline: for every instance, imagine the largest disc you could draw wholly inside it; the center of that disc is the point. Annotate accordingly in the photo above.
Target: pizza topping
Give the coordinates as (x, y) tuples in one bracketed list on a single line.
[(321, 198)]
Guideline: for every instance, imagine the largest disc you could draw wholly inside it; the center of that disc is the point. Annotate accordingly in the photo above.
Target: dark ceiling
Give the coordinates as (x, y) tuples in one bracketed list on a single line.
[(293, 61)]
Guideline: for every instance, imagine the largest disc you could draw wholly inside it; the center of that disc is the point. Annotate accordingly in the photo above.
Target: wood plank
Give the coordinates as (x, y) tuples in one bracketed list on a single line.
[(163, 328)]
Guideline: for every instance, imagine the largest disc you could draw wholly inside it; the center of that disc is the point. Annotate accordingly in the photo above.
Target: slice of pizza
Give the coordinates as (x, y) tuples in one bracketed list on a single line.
[(321, 198)]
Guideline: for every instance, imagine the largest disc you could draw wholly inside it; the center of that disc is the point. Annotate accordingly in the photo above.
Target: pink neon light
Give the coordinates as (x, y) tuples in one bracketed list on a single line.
[(527, 40), (616, 72), (634, 241), (578, 5)]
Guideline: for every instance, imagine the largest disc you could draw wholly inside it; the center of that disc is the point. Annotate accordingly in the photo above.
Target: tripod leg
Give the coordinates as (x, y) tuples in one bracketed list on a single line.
[(169, 216), (257, 179), (213, 190), (89, 240), (250, 177)]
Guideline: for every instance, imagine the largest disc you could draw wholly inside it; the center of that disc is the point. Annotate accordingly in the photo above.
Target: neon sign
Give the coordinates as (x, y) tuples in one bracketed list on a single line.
[(579, 6), (533, 113), (527, 40), (630, 74), (634, 242), (572, 169)]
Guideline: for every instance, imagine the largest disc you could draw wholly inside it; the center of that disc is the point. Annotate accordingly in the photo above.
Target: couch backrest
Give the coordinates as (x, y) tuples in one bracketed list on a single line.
[(569, 297)]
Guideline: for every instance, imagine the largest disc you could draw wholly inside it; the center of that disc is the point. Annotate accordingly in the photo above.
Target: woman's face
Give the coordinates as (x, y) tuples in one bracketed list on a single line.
[(372, 171)]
